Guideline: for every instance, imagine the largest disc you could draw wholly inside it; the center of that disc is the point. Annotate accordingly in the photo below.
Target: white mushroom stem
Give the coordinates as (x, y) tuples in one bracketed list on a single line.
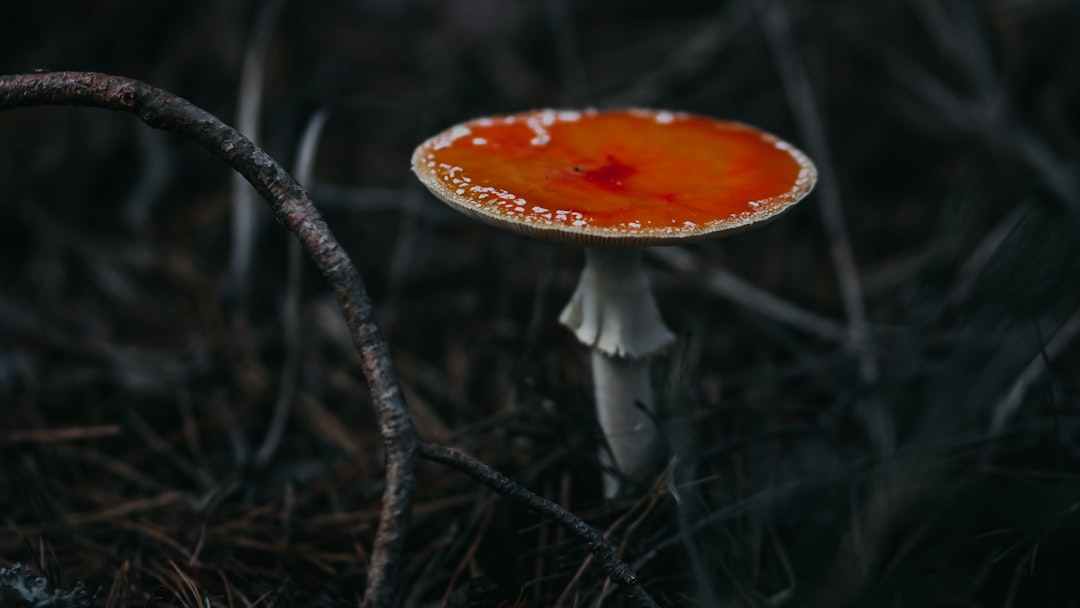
[(613, 312), (613, 309), (627, 415)]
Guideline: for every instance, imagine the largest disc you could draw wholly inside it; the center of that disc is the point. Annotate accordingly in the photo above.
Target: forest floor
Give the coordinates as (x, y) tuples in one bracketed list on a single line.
[(874, 400)]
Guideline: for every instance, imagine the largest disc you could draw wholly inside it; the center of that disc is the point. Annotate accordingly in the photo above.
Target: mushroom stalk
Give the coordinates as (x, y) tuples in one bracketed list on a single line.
[(627, 416), (617, 180), (613, 311)]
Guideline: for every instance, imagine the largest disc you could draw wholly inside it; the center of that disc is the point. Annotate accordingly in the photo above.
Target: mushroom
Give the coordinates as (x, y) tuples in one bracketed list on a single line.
[(615, 181)]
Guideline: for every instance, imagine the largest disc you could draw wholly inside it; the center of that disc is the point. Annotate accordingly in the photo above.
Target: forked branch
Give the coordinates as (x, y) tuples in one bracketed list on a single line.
[(605, 552), (293, 208)]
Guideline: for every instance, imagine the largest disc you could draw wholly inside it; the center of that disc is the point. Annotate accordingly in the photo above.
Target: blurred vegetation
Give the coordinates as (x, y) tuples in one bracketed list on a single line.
[(898, 425)]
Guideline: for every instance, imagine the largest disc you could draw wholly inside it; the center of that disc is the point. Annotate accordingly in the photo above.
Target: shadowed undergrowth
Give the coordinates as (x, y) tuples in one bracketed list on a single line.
[(135, 397)]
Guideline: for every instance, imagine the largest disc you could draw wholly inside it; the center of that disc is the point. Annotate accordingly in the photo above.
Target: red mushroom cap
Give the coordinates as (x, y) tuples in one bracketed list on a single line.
[(614, 177)]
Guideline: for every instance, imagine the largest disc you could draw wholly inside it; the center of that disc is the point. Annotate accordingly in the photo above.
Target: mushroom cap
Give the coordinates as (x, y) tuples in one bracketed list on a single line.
[(626, 177)]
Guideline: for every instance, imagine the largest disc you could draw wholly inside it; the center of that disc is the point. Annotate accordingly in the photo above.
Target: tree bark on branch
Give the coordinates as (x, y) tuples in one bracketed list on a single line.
[(293, 207)]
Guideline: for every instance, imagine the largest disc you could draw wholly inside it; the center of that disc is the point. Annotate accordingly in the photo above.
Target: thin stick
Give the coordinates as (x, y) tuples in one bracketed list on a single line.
[(800, 95), (763, 303), (290, 308), (760, 302), (610, 561), (1014, 397), (60, 435), (293, 208), (649, 499), (248, 116), (470, 553), (689, 61)]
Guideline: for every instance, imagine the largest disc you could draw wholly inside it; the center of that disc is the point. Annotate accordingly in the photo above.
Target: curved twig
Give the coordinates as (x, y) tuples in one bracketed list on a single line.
[(605, 552), (293, 208)]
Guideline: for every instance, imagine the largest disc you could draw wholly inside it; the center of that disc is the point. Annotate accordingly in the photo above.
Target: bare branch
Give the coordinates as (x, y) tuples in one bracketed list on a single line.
[(293, 208), (613, 565)]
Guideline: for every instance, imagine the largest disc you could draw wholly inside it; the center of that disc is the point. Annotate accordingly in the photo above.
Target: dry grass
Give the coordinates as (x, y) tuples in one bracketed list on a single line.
[(876, 401)]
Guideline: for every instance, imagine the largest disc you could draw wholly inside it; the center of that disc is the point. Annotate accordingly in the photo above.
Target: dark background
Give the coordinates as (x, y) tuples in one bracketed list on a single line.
[(900, 430)]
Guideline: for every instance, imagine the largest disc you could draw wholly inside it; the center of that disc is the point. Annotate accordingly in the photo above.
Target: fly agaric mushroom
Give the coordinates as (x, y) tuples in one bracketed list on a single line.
[(615, 181)]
